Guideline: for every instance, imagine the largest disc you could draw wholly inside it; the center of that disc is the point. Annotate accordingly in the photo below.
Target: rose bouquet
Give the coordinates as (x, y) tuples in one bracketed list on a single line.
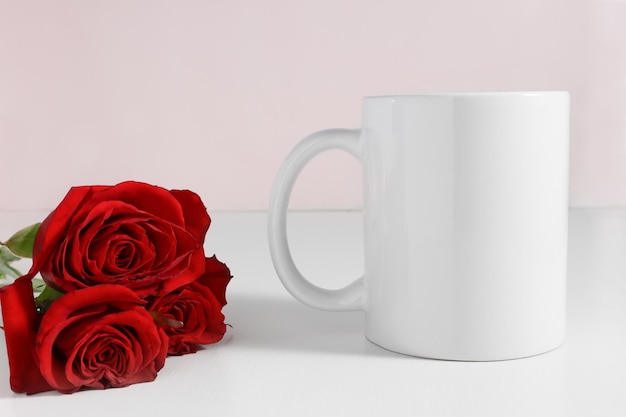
[(125, 283)]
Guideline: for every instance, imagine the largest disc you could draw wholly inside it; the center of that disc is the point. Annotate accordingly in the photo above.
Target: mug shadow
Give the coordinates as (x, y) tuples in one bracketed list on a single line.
[(285, 324)]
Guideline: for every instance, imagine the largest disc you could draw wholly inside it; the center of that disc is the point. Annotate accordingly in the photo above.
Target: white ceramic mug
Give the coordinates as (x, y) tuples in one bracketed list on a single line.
[(466, 204)]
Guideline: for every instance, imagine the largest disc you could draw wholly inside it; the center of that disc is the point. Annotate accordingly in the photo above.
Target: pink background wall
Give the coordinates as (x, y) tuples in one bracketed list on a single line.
[(211, 95)]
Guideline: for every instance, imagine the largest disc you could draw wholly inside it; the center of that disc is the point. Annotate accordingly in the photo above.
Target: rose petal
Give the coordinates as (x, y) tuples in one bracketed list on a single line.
[(197, 220), (216, 277), (20, 327), (54, 226), (155, 200)]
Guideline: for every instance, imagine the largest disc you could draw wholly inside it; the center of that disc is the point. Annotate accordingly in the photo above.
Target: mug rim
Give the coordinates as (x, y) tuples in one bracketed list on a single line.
[(529, 93)]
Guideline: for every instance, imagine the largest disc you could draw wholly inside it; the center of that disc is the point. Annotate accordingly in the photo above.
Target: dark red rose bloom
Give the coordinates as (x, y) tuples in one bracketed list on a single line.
[(191, 315), (143, 237), (97, 337)]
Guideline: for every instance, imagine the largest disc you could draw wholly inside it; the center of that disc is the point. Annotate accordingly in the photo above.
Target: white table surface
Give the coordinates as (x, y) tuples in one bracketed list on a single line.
[(284, 359)]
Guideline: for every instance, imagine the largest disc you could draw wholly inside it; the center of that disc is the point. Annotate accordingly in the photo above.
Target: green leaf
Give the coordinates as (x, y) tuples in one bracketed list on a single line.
[(7, 256), (6, 270), (47, 296), (38, 285), (21, 243)]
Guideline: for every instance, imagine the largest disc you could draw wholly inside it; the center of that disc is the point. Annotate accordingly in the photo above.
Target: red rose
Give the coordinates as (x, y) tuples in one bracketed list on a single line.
[(97, 337), (192, 315), (143, 237)]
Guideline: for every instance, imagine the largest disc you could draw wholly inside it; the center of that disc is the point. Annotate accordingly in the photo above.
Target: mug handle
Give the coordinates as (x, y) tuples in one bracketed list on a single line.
[(348, 298)]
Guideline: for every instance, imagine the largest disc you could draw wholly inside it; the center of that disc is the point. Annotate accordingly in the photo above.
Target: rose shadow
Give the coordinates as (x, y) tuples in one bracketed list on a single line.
[(276, 324), (285, 324)]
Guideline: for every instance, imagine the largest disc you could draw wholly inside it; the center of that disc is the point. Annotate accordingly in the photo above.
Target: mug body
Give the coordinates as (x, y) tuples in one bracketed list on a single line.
[(466, 203)]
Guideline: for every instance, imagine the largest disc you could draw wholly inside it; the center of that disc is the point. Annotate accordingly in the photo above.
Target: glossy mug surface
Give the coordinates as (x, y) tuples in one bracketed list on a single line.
[(466, 211)]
